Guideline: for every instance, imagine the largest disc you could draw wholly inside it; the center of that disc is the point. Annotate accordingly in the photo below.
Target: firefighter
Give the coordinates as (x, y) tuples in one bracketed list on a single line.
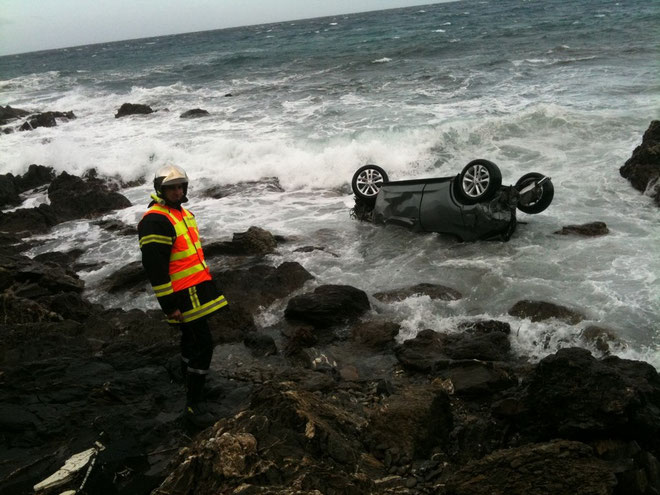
[(173, 259)]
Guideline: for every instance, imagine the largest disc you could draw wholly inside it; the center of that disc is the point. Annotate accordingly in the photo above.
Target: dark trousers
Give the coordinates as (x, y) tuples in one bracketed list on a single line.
[(196, 353)]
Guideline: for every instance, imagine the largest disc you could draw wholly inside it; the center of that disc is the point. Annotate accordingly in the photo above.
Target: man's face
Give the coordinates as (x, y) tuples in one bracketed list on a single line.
[(173, 194)]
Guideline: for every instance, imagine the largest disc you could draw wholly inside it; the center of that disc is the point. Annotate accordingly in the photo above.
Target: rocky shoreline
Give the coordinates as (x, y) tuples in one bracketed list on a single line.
[(326, 400)]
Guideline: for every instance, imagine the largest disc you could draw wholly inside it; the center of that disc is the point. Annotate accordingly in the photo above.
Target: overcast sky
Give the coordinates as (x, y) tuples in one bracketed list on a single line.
[(30, 25)]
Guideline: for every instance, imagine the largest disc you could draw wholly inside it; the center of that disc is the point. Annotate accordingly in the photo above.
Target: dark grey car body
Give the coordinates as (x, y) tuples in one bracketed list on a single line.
[(431, 205)]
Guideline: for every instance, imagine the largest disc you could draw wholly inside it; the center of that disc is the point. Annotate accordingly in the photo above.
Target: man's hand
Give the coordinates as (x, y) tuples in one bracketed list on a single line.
[(176, 315)]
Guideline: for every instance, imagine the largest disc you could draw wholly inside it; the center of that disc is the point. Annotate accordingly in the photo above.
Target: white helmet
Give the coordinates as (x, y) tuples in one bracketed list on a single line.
[(170, 175)]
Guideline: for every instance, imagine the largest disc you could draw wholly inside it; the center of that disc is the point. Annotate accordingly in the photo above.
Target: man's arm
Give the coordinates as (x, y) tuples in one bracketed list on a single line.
[(156, 238)]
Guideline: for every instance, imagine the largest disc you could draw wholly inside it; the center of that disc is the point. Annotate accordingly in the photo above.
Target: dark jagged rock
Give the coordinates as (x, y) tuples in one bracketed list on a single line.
[(430, 351), (46, 119), (572, 395), (72, 197), (541, 310), (413, 421), (255, 241), (194, 113), (260, 345), (232, 323), (131, 277), (8, 191), (434, 291), (263, 185), (309, 249), (375, 334), (133, 109), (29, 221), (63, 259), (36, 176), (8, 113), (593, 229), (328, 305), (601, 338), (116, 226), (642, 169), (556, 468), (261, 285)]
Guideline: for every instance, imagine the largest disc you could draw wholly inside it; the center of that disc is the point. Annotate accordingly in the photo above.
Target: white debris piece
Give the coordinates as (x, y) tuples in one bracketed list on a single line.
[(74, 464)]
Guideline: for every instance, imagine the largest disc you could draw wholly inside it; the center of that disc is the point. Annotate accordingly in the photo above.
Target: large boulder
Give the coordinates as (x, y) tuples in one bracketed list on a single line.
[(328, 305), (592, 229), (133, 109), (194, 113), (46, 119), (254, 241), (431, 351), (573, 395), (642, 169), (29, 221), (8, 191), (72, 197), (261, 285), (36, 176), (434, 291), (8, 113), (541, 310)]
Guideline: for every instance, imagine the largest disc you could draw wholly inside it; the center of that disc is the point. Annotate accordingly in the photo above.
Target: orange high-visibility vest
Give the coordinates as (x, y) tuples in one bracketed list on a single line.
[(187, 265)]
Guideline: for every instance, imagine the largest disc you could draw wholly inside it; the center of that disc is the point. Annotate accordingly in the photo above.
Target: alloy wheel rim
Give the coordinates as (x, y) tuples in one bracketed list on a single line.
[(476, 181), (369, 182)]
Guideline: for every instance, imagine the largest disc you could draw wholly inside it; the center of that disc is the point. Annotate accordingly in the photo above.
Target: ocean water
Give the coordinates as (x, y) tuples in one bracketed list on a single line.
[(562, 88)]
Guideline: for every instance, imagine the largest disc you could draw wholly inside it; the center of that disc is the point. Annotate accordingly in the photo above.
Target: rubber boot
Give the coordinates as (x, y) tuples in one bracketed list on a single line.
[(197, 413)]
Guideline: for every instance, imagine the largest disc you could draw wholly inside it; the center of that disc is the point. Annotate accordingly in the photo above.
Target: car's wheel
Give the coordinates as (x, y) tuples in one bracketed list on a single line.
[(539, 198), (479, 181), (367, 181)]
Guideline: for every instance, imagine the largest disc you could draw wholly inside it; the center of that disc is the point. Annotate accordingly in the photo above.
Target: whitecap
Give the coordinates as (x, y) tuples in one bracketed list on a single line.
[(381, 60), (439, 31)]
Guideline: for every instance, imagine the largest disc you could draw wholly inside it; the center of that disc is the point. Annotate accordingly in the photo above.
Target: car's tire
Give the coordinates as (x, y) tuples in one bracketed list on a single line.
[(367, 182), (479, 181), (542, 200)]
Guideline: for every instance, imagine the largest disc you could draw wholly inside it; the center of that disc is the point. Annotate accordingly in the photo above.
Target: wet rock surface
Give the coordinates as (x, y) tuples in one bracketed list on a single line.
[(542, 310), (46, 119), (642, 169), (592, 229), (133, 109), (323, 396), (433, 291), (194, 113)]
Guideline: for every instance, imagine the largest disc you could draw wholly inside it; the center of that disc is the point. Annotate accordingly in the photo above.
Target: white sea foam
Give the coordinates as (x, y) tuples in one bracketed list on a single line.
[(381, 60)]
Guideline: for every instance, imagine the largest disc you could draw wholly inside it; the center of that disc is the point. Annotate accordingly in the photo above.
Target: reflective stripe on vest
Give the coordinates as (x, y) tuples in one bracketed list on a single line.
[(187, 266)]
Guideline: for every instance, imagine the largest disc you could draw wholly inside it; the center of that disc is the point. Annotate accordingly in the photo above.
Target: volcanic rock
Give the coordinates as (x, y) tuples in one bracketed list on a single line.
[(593, 229), (260, 345), (255, 241), (132, 109), (434, 291), (413, 421), (46, 119), (8, 113), (71, 197), (642, 169), (261, 285), (8, 191), (194, 113), (29, 221), (555, 468), (263, 185), (328, 305), (541, 310), (601, 337), (375, 334), (574, 396), (36, 176)]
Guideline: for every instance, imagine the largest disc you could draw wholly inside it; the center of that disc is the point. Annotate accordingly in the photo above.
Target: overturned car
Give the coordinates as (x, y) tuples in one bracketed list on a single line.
[(471, 205)]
